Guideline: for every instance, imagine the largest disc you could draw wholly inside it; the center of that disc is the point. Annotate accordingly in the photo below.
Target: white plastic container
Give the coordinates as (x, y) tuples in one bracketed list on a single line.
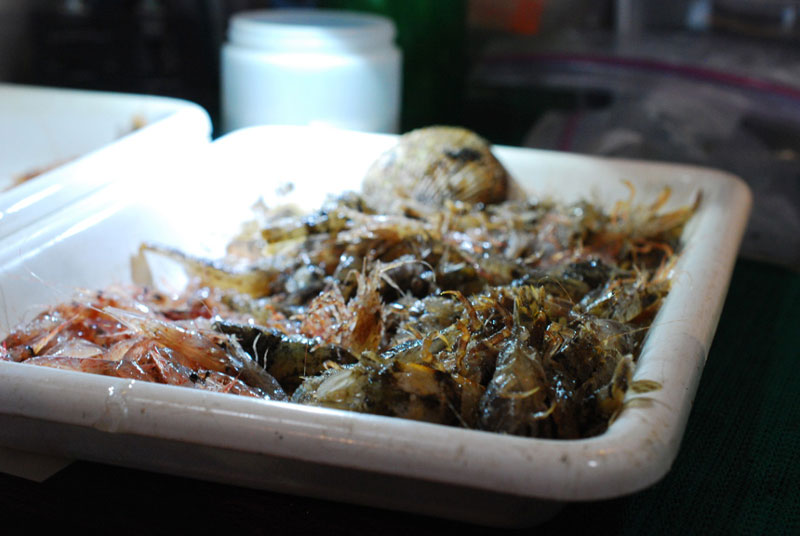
[(466, 475), (311, 67), (81, 140)]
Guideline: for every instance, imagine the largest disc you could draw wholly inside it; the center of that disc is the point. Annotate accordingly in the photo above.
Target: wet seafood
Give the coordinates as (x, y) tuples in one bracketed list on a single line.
[(135, 335), (428, 296)]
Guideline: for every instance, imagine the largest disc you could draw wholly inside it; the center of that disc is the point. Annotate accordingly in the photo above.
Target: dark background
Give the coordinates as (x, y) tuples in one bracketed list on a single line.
[(709, 82)]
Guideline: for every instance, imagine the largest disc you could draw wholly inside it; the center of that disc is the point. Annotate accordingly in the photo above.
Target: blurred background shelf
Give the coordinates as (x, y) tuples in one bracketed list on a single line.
[(709, 82)]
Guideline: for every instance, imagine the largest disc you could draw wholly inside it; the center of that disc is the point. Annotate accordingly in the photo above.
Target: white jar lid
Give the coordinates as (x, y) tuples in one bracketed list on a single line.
[(309, 30)]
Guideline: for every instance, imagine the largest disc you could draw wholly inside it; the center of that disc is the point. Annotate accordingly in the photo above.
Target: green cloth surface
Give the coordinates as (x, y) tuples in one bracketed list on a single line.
[(738, 470)]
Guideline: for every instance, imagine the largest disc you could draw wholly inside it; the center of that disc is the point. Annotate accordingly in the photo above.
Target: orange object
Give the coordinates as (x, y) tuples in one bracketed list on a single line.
[(517, 16)]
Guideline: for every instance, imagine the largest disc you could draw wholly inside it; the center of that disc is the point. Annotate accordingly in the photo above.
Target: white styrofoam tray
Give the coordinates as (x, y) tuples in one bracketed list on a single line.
[(82, 140), (462, 474)]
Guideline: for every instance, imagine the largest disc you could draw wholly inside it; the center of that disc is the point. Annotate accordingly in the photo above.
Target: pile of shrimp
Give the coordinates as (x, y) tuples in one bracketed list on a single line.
[(446, 304), (140, 335)]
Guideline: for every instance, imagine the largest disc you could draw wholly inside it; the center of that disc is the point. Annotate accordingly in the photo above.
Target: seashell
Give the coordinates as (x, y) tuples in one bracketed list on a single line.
[(429, 166)]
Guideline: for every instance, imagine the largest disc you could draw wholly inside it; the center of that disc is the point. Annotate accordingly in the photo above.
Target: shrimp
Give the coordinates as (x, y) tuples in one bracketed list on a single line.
[(253, 280), (145, 360), (356, 325), (203, 349), (80, 318), (105, 367)]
